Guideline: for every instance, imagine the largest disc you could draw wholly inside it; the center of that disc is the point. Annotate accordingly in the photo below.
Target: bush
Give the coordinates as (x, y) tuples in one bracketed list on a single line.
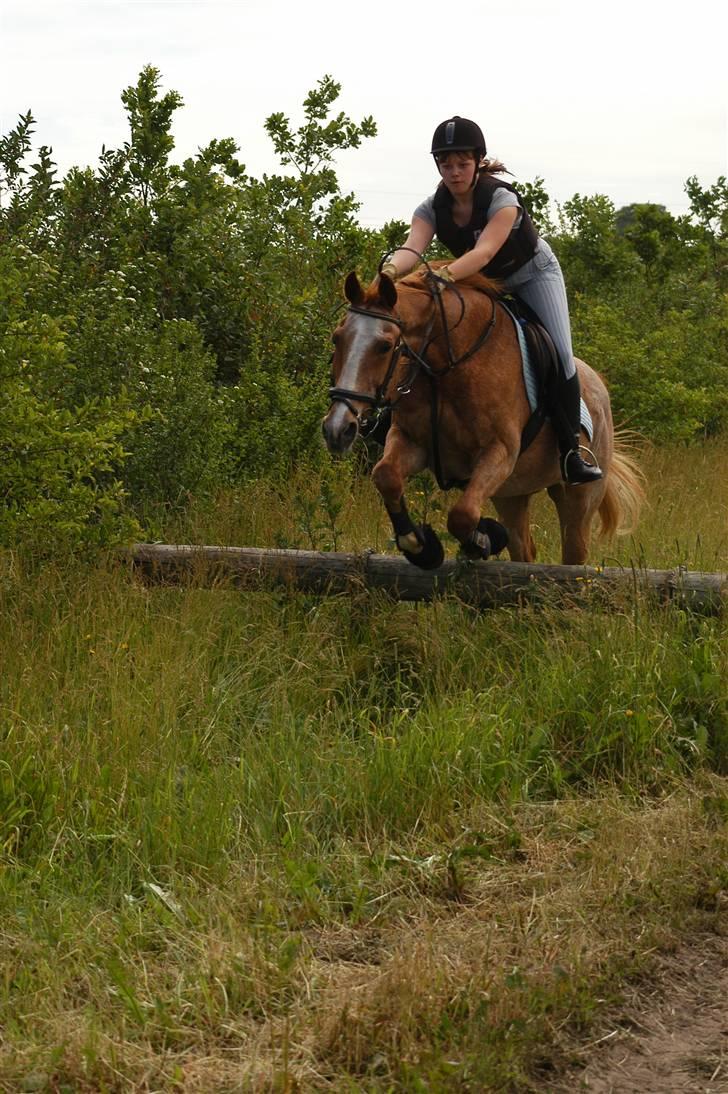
[(667, 381), (60, 460), (165, 329)]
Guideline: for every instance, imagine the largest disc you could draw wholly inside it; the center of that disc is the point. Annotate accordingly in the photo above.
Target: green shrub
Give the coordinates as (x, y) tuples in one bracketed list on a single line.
[(164, 329)]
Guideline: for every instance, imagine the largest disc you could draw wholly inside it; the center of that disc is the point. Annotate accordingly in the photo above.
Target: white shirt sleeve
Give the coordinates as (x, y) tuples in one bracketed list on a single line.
[(426, 211), (505, 199)]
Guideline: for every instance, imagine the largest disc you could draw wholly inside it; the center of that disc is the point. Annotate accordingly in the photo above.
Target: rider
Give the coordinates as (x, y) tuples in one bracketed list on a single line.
[(483, 222)]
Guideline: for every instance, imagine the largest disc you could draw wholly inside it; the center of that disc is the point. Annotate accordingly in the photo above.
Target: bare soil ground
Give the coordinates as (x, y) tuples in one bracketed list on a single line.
[(671, 1037)]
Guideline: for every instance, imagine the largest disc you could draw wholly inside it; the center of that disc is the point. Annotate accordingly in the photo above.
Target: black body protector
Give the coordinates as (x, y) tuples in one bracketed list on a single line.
[(517, 250)]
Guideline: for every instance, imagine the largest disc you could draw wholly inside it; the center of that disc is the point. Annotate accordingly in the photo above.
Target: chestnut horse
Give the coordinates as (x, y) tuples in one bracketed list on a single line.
[(448, 366)]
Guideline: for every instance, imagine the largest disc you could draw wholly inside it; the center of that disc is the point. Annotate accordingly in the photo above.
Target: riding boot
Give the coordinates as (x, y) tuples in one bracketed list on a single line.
[(566, 420)]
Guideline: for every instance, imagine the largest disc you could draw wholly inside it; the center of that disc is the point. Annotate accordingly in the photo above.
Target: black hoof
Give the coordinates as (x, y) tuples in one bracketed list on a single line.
[(489, 538), (432, 554)]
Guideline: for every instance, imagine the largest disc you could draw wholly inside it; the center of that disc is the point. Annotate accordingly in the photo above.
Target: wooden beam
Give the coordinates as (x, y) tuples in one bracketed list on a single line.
[(485, 584)]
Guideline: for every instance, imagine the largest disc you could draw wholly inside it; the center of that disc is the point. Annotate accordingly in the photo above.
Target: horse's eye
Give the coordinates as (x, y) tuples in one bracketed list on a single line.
[(383, 346)]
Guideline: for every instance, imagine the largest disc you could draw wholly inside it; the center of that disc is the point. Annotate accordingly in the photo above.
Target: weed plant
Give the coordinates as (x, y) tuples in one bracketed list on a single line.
[(254, 840)]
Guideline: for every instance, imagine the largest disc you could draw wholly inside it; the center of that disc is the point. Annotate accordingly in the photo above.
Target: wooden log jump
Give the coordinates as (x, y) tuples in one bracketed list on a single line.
[(483, 584)]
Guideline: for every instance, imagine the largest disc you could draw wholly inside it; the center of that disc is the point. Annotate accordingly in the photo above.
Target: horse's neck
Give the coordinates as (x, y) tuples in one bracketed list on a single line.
[(418, 311)]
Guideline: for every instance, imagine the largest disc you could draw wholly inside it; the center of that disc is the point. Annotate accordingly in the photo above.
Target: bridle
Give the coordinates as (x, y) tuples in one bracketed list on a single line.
[(379, 401)]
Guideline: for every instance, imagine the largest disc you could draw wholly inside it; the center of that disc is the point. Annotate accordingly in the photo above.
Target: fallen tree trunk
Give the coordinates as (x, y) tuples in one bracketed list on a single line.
[(484, 584)]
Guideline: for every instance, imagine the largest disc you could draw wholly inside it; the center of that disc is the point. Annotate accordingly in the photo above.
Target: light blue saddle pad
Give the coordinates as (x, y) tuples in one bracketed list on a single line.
[(530, 379)]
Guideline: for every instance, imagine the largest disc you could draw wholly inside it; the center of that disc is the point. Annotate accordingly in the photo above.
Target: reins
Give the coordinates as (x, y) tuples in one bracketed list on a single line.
[(434, 377), (380, 402)]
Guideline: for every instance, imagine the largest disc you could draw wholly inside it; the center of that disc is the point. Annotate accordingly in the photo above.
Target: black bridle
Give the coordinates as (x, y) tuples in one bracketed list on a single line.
[(380, 401)]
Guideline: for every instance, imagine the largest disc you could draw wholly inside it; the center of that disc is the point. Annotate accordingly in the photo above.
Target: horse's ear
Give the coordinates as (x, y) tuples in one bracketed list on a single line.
[(387, 290), (353, 290)]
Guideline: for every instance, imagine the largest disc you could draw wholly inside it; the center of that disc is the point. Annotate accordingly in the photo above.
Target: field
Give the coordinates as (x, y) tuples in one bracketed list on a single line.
[(268, 842)]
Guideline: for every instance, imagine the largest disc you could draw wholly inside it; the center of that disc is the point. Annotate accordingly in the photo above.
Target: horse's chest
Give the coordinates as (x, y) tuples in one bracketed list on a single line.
[(458, 439)]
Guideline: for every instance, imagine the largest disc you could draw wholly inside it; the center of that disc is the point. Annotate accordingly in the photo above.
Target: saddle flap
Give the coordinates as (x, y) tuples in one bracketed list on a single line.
[(542, 353)]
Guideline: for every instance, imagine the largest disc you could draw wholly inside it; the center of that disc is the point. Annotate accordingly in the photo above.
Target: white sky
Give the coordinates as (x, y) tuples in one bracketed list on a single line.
[(622, 98)]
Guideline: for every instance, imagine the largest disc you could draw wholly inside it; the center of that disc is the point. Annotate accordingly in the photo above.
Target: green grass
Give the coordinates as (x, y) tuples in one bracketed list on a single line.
[(251, 840), (684, 521)]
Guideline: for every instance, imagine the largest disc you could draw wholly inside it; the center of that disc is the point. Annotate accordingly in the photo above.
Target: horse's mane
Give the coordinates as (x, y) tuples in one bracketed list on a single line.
[(419, 281), (478, 281)]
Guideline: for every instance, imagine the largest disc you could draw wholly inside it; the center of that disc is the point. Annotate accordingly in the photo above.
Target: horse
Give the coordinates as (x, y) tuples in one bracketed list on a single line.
[(447, 366)]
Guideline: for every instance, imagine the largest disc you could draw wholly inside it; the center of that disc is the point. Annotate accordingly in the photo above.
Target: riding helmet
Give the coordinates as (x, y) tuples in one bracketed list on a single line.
[(458, 135)]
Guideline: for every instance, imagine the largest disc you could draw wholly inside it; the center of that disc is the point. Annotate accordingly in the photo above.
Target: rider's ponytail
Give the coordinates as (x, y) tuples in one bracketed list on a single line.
[(493, 167)]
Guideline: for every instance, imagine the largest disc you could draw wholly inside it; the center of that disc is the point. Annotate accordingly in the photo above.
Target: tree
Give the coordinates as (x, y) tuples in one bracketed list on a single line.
[(13, 149), (311, 148), (660, 240), (147, 152), (596, 257), (709, 207), (537, 202)]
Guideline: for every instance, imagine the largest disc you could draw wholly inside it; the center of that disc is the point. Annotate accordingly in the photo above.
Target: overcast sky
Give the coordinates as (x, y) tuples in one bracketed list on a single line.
[(622, 98)]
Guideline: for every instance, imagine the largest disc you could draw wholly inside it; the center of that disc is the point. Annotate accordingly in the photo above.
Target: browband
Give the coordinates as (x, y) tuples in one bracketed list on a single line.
[(377, 315)]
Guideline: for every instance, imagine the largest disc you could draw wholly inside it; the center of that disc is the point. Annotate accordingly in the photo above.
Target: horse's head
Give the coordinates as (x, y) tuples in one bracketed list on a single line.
[(366, 351)]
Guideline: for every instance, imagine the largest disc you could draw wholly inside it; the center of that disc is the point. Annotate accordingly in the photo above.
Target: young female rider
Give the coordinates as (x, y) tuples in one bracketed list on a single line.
[(483, 222)]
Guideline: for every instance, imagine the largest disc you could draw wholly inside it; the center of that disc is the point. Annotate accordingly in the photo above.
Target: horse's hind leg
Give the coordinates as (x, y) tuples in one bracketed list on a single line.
[(513, 512), (577, 507)]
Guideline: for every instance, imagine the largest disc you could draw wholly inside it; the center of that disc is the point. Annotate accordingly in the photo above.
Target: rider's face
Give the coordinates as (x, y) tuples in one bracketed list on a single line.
[(457, 170)]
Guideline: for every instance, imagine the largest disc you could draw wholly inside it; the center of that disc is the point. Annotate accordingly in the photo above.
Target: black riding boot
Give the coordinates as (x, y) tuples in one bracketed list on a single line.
[(566, 420)]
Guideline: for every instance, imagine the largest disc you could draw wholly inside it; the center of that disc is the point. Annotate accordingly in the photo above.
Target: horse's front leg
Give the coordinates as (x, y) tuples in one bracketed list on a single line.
[(401, 460), (481, 536)]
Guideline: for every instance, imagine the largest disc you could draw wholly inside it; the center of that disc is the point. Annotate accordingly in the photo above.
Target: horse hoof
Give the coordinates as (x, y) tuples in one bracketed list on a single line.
[(489, 538), (432, 554)]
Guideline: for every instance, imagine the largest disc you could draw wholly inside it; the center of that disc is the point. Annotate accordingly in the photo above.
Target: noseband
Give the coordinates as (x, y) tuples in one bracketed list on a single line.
[(378, 401)]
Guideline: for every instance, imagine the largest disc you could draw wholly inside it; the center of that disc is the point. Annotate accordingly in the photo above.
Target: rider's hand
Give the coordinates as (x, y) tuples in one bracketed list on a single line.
[(390, 270), (441, 278)]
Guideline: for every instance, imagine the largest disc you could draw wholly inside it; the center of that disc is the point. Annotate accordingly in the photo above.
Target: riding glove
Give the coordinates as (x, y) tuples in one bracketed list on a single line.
[(441, 278)]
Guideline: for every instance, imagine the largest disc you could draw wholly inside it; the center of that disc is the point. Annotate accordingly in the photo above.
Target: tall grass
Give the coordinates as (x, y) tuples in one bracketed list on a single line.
[(684, 521), (215, 806)]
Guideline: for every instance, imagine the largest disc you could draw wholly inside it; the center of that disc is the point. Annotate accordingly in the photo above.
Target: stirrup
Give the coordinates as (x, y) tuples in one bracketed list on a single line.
[(585, 472)]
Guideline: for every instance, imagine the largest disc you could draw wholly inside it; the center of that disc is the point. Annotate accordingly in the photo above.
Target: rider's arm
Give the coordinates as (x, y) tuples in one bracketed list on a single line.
[(419, 239), (490, 241)]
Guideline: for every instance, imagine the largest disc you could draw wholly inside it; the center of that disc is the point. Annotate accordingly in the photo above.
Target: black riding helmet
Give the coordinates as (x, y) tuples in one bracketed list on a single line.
[(458, 135)]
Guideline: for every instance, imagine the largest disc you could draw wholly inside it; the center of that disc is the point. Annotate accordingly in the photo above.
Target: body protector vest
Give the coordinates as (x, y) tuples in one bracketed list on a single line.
[(517, 250)]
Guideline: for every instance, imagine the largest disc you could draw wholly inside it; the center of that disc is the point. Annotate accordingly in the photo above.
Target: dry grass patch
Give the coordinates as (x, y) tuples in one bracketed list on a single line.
[(517, 967), (670, 1032), (491, 989)]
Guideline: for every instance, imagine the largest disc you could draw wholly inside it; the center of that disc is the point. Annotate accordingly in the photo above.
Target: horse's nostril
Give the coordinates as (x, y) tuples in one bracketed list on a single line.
[(348, 435), (339, 438)]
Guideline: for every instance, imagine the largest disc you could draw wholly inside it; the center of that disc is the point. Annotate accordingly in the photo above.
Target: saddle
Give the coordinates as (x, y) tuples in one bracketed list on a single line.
[(541, 364)]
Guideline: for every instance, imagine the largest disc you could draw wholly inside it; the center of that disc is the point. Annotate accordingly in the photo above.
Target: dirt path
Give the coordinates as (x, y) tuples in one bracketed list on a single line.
[(673, 1039)]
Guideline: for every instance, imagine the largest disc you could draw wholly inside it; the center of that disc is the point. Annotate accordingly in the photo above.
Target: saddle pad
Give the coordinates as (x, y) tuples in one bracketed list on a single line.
[(530, 380)]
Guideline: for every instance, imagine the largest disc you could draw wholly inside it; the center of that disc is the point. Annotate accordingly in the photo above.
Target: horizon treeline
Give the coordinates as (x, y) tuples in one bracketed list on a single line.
[(165, 329)]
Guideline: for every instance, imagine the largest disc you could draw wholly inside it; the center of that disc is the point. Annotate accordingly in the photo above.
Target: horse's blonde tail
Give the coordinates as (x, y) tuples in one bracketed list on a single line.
[(625, 494)]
